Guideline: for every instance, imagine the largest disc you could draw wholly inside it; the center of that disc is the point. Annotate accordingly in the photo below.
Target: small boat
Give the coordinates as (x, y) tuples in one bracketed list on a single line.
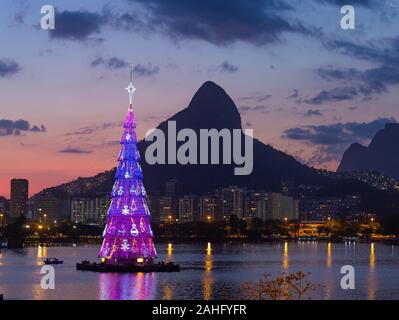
[(53, 261)]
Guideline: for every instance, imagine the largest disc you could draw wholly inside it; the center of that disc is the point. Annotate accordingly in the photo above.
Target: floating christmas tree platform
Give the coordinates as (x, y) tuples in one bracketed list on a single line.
[(128, 239)]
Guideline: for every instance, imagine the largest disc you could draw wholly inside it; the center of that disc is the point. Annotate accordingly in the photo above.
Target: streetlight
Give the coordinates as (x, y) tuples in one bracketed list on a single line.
[(45, 218), (1, 219), (209, 218)]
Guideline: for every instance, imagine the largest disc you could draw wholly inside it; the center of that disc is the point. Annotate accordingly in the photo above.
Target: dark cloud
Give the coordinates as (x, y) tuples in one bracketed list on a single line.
[(257, 97), (11, 127), (365, 3), (337, 133), (139, 69), (294, 95), (258, 108), (78, 25), (75, 150), (92, 129), (312, 112), (220, 22), (363, 83), (145, 70), (227, 67), (8, 68), (111, 63), (333, 95), (330, 141)]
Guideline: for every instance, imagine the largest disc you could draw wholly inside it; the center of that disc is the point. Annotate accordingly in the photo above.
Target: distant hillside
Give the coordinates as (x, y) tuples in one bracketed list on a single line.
[(381, 155), (210, 108)]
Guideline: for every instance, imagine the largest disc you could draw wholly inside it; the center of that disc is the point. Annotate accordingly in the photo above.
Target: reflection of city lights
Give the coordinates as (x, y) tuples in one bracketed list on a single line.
[(371, 284), (170, 249), (285, 256), (329, 255), (372, 256), (41, 251), (208, 282), (209, 249)]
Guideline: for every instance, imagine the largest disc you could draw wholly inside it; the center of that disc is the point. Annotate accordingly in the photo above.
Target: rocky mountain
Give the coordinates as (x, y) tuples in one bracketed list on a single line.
[(381, 155), (211, 107)]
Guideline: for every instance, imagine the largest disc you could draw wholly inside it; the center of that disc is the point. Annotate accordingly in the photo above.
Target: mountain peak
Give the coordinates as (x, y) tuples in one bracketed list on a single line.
[(380, 155), (212, 106)]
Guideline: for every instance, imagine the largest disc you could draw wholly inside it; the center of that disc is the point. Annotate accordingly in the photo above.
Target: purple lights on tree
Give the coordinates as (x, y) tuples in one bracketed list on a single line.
[(127, 234)]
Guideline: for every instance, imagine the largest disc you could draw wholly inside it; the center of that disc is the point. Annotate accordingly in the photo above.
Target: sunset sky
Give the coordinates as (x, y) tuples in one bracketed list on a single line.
[(302, 83)]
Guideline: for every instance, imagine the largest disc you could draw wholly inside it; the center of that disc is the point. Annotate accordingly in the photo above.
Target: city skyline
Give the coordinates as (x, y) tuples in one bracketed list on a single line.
[(70, 83)]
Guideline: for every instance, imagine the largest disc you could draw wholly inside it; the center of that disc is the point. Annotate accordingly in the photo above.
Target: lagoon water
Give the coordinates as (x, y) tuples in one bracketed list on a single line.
[(209, 271)]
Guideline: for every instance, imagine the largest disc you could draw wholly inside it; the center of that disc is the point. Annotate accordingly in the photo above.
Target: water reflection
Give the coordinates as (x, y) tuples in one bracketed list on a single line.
[(170, 250), (41, 251), (329, 255), (285, 256), (140, 286), (330, 279), (372, 280), (167, 292), (208, 280)]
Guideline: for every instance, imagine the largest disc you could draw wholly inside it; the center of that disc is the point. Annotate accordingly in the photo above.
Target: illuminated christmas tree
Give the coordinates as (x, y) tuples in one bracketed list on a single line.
[(127, 234)]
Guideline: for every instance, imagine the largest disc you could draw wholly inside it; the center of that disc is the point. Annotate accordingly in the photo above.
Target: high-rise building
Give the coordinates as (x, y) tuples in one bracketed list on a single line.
[(188, 209), (211, 208), (3, 211), (90, 210), (233, 201), (282, 207), (46, 207), (168, 209), (172, 188), (153, 206), (257, 205), (19, 197)]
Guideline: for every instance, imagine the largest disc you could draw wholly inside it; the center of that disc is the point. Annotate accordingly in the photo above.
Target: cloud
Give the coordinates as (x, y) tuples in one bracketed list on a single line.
[(10, 127), (258, 108), (257, 97), (337, 133), (145, 70), (363, 83), (8, 68), (330, 141), (227, 67), (221, 23), (333, 95), (92, 129), (78, 25), (111, 63), (312, 112), (294, 95), (364, 3), (139, 69), (74, 150)]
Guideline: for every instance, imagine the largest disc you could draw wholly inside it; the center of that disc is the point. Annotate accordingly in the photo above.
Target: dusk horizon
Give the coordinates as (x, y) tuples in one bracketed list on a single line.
[(73, 79), (199, 154)]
